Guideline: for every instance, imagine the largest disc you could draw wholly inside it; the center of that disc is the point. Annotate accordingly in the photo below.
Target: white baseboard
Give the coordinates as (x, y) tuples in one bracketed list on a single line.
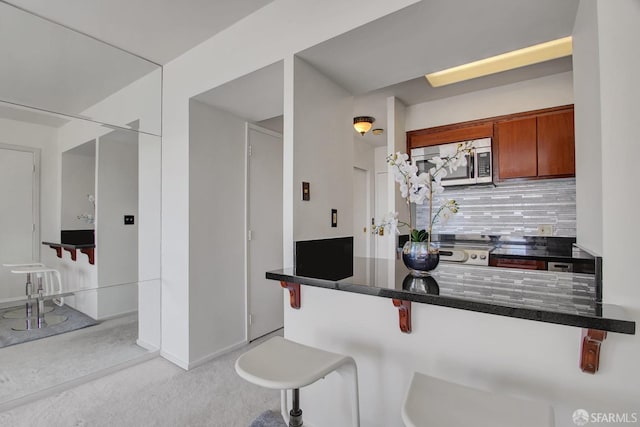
[(175, 360), (218, 353), (146, 345), (116, 315)]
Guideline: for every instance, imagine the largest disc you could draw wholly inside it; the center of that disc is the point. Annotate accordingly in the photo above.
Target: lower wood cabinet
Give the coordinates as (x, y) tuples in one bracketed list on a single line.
[(523, 264)]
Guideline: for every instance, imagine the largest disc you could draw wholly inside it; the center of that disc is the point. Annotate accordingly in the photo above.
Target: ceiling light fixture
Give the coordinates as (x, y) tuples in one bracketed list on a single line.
[(377, 131), (506, 61), (362, 124)]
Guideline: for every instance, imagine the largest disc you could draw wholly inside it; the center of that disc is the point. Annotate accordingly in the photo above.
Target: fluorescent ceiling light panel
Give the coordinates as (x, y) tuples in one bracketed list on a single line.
[(506, 61)]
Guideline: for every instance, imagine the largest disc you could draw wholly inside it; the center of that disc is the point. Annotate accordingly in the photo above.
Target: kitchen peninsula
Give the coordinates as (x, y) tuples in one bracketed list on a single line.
[(546, 296), (445, 325)]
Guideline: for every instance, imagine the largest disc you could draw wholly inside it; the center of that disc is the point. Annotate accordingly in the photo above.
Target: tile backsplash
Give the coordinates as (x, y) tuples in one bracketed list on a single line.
[(514, 209)]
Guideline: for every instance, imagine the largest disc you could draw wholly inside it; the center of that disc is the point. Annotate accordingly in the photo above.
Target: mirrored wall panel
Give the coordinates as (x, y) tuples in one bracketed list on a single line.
[(49, 67)]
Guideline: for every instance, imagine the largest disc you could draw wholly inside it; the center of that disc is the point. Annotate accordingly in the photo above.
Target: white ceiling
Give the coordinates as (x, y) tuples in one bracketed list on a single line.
[(255, 97), (158, 30), (386, 57), (437, 34), (391, 55)]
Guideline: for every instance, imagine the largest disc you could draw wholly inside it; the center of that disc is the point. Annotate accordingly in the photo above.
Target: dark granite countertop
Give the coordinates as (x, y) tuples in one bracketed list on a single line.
[(554, 297), (70, 246), (542, 253)]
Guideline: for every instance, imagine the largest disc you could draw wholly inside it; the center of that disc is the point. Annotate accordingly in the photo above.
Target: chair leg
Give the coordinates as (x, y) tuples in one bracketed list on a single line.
[(295, 415), (349, 371)]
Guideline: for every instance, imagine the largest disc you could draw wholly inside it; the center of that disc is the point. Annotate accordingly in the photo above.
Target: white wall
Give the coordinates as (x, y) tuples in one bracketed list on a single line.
[(587, 110), (618, 33), (216, 231), (199, 70), (78, 172), (543, 92), (323, 154), (117, 243)]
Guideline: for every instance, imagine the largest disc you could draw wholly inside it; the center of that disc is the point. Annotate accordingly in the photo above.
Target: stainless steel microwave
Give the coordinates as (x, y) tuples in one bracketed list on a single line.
[(479, 168)]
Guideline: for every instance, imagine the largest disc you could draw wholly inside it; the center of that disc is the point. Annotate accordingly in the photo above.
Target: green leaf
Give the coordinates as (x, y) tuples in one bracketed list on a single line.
[(418, 235)]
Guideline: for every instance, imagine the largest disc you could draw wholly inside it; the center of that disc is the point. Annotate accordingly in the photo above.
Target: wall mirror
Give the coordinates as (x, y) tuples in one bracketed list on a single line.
[(52, 68), (80, 165)]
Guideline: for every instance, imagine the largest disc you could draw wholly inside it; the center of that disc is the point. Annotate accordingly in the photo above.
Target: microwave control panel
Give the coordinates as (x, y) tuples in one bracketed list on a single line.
[(484, 165)]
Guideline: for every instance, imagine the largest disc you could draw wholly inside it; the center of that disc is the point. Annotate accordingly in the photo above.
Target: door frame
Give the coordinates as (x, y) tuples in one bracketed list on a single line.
[(249, 127), (35, 194)]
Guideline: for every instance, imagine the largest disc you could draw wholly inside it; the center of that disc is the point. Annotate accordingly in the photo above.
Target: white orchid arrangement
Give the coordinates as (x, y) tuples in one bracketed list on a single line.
[(425, 186)]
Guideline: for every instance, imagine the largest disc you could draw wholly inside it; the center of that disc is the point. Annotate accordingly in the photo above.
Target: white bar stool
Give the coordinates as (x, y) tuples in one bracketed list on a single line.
[(51, 277), (285, 365), (438, 403)]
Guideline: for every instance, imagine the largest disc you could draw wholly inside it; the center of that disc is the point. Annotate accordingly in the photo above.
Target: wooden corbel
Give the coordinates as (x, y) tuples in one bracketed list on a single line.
[(404, 314), (590, 350), (294, 293), (72, 251), (58, 250), (90, 253)]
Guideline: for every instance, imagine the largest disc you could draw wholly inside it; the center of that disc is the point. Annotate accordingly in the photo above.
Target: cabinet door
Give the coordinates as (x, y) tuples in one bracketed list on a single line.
[(556, 144), (517, 152)]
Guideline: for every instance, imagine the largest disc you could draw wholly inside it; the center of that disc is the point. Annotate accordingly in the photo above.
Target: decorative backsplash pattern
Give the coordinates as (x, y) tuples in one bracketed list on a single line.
[(514, 209)]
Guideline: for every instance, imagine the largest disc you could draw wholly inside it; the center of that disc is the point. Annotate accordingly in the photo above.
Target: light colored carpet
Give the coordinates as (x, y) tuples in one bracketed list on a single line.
[(154, 393), (74, 320), (37, 365)]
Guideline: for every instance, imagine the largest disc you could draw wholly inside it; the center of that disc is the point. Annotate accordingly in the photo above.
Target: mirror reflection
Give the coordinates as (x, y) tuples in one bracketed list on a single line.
[(59, 70), (80, 210)]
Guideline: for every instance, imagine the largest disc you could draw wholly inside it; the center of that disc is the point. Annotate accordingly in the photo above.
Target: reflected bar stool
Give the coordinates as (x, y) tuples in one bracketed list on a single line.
[(41, 320), (438, 403), (27, 312), (285, 365), (52, 281)]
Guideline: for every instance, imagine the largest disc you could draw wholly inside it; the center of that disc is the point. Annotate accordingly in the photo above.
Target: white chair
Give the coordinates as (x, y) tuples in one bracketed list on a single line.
[(285, 365), (432, 402)]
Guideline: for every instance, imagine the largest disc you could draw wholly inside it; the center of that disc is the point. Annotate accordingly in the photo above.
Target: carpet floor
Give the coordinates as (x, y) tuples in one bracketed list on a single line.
[(74, 320), (37, 365), (154, 393)]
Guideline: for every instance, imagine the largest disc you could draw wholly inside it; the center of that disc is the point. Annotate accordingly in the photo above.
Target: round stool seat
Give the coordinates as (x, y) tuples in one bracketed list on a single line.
[(285, 365), (282, 364)]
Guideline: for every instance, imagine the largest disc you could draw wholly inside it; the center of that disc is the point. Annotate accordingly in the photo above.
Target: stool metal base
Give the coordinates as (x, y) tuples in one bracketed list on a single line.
[(32, 322), (20, 313)]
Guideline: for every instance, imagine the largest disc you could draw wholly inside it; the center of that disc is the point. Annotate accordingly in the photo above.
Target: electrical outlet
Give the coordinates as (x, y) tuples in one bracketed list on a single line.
[(129, 220), (545, 230)]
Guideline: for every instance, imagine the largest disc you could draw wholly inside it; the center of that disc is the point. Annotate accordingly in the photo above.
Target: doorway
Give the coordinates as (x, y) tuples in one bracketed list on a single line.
[(264, 230), (361, 213), (19, 213)]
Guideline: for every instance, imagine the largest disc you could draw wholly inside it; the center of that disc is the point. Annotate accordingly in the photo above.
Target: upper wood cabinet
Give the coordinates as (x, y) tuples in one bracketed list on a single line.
[(539, 146), (556, 144), (528, 145), (515, 149)]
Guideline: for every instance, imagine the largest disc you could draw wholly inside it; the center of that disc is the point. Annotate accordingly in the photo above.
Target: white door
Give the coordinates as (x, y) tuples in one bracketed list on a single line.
[(18, 215), (382, 243), (361, 216), (264, 217)]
